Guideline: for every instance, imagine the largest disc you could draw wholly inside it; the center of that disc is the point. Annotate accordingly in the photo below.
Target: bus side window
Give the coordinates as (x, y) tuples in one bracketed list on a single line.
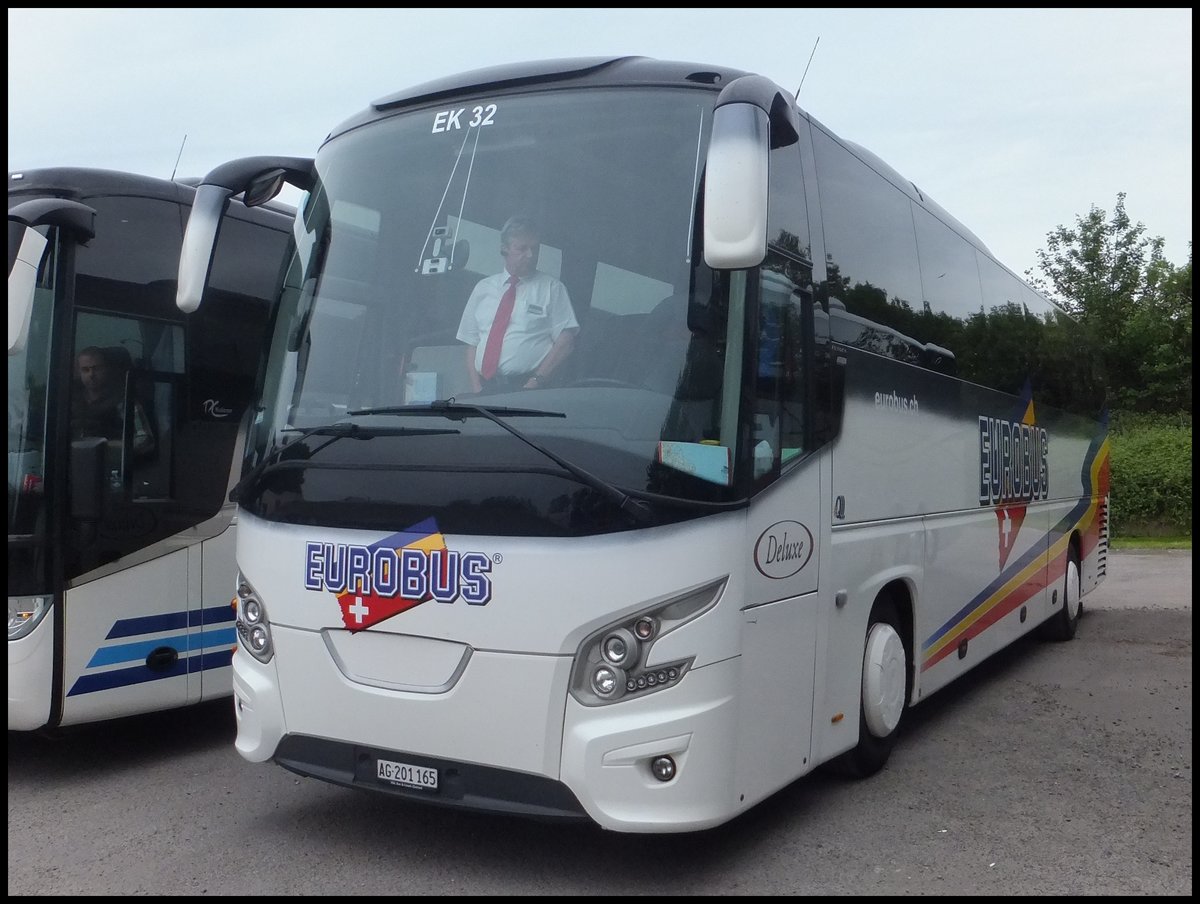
[(784, 322)]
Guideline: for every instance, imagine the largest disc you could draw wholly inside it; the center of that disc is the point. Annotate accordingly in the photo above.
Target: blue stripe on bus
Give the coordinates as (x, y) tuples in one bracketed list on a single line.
[(130, 652), (104, 681), (171, 621)]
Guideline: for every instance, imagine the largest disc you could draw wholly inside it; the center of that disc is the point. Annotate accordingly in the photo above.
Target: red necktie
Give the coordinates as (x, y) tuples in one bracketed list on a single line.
[(495, 339)]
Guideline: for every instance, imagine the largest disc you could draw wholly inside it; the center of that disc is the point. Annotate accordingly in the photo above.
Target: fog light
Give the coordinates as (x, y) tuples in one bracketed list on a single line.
[(607, 682), (663, 768)]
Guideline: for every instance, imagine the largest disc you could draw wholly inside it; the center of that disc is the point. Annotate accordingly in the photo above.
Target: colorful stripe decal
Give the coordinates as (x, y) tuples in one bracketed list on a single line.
[(103, 681), (170, 621), (1043, 564), (214, 648), (131, 652)]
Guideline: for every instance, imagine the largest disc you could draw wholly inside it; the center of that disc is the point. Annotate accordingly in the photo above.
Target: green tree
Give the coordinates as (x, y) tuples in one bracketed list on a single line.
[(1159, 340), (1135, 306)]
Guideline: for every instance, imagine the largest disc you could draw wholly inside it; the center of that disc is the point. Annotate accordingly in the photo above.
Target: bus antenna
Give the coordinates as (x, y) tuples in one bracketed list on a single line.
[(182, 143), (809, 63)]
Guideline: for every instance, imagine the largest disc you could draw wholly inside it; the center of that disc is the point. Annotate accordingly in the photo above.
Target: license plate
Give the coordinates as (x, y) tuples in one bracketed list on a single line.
[(406, 774)]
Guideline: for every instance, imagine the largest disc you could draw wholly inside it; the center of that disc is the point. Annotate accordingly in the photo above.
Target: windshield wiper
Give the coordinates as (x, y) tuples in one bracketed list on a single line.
[(458, 411), (334, 432), (449, 408)]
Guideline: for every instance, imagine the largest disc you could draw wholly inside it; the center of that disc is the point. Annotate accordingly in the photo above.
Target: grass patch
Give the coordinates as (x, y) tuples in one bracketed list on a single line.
[(1150, 543)]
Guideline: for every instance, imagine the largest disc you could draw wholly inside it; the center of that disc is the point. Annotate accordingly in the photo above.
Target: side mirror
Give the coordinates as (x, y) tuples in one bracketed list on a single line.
[(264, 188), (752, 116), (23, 260), (199, 243), (735, 188)]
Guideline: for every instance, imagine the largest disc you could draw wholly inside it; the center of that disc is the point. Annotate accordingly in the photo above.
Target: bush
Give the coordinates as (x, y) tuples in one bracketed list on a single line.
[(1151, 493)]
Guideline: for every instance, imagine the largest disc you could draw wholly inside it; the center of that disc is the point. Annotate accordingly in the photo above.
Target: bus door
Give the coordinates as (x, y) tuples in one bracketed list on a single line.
[(151, 565), (133, 588), (131, 578), (780, 621)]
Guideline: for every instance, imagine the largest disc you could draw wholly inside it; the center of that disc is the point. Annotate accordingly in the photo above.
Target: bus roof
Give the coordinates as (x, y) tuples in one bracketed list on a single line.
[(591, 71), (633, 70), (79, 183)]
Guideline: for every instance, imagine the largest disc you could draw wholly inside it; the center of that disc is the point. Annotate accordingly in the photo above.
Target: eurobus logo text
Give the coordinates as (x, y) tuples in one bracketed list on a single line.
[(1013, 468), (1013, 464), (375, 582)]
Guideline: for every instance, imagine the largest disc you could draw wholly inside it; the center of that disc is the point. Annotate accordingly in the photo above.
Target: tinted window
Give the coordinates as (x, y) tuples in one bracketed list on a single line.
[(132, 262), (871, 254), (1000, 288), (157, 461), (787, 217), (248, 260), (949, 275), (124, 423)]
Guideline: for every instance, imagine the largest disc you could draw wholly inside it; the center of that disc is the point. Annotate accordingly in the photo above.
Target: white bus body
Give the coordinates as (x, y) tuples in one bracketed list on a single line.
[(815, 454)]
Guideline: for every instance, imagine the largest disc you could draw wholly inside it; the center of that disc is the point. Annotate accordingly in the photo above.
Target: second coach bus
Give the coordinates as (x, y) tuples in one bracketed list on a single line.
[(124, 436)]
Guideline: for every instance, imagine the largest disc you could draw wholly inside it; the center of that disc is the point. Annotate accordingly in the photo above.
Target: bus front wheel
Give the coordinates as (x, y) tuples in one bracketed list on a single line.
[(884, 695)]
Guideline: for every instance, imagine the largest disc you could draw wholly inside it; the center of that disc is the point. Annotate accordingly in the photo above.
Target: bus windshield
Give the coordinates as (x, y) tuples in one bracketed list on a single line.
[(407, 221)]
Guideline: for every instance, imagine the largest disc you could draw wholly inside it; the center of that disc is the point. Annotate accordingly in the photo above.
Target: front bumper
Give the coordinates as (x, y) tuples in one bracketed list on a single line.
[(506, 737)]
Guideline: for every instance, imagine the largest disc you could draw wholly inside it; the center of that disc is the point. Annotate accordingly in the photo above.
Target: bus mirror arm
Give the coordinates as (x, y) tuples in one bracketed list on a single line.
[(258, 180), (79, 219)]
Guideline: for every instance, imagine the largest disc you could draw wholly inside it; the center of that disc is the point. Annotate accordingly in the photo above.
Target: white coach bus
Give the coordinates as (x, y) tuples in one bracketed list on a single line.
[(124, 437), (815, 452)]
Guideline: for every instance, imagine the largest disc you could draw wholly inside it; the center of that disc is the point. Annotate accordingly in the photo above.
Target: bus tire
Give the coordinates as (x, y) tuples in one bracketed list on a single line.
[(1062, 625), (883, 699)]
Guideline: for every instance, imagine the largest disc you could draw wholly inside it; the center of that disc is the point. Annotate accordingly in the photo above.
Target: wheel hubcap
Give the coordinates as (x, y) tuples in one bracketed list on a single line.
[(884, 680), (1072, 591)]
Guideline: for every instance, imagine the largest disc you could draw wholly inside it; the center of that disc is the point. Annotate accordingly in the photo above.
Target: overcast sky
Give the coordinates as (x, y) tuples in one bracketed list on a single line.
[(1016, 121)]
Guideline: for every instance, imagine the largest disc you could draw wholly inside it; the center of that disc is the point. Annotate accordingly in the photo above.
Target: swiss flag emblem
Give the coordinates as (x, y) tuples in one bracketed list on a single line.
[(1009, 520), (362, 610)]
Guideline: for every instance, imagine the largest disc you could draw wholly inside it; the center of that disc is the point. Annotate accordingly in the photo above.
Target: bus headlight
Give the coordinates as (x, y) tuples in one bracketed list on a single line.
[(252, 610), (253, 626), (612, 663), (25, 613), (619, 648)]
